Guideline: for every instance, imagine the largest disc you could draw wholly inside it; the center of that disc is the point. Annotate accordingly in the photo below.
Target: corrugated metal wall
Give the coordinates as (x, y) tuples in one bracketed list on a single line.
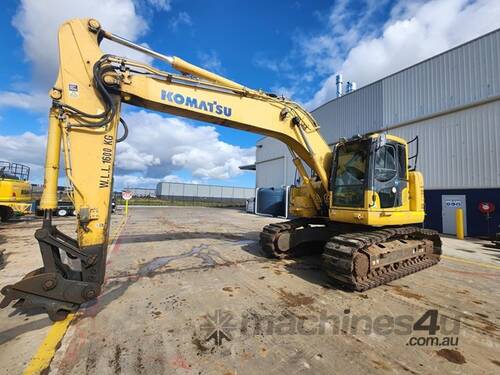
[(458, 77), (458, 146), (271, 173), (274, 165), (459, 150), (358, 112), (176, 189)]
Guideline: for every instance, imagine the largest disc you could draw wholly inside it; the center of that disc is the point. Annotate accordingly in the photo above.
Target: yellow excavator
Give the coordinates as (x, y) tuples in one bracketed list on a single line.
[(15, 190), (362, 202)]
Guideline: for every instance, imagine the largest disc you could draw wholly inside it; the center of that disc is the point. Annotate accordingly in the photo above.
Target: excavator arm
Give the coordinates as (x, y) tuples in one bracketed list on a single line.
[(83, 124)]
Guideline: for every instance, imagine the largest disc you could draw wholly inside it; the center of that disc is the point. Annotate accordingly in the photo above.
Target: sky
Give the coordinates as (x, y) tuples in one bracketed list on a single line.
[(291, 48)]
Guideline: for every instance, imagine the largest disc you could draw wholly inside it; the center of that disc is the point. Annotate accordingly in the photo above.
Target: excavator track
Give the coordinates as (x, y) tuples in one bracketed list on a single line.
[(365, 260), (286, 239)]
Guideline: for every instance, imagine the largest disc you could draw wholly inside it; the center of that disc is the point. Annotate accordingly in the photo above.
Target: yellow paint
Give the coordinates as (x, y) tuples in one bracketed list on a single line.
[(188, 68), (126, 207), (376, 217), (459, 215), (15, 194), (46, 351), (480, 264), (52, 157), (416, 194), (14, 191)]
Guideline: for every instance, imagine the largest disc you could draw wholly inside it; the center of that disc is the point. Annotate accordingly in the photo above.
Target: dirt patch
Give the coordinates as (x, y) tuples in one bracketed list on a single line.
[(200, 345), (405, 293), (263, 352), (230, 289), (380, 365), (293, 300), (495, 362), (139, 366), (452, 355), (90, 365), (2, 259), (490, 327), (115, 362)]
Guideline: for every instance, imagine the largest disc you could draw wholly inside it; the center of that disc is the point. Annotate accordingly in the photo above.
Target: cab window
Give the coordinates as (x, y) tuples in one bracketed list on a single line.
[(385, 163), (402, 161), (350, 175)]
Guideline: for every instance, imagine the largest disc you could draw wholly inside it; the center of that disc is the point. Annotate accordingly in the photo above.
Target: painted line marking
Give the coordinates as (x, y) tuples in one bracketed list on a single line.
[(480, 264), (46, 351)]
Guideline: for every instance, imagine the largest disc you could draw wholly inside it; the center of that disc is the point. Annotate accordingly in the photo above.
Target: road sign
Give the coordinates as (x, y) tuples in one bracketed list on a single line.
[(486, 207), (127, 195)]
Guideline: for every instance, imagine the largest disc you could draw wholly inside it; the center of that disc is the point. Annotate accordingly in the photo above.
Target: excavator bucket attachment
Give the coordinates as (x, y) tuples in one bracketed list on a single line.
[(56, 287)]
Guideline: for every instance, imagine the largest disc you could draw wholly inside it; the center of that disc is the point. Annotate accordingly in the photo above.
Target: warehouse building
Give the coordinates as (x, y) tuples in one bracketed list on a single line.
[(452, 103), (200, 193)]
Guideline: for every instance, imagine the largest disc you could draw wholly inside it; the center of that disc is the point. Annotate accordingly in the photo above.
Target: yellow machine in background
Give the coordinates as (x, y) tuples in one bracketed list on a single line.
[(15, 190), (362, 204)]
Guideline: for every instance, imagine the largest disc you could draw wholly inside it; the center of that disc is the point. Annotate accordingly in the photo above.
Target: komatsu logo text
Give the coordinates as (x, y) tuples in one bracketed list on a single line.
[(188, 101)]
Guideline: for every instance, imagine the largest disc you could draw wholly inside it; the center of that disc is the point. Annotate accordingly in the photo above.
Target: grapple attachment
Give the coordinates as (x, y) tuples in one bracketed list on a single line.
[(56, 287)]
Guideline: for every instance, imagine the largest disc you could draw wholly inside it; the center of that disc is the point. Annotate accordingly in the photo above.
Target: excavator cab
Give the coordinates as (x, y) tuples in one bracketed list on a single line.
[(371, 183)]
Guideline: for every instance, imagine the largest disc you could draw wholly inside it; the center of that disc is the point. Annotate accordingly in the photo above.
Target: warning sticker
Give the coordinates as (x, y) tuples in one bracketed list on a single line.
[(73, 90)]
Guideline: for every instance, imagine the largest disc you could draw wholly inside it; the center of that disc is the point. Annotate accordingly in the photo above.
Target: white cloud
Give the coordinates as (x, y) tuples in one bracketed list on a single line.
[(181, 19), (275, 65), (160, 4), (27, 148), (38, 24), (139, 181), (160, 145), (210, 61), (36, 101), (172, 178), (129, 158), (156, 149), (414, 32)]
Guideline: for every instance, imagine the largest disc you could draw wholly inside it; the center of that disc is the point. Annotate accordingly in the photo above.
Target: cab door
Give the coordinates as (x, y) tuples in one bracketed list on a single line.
[(390, 174)]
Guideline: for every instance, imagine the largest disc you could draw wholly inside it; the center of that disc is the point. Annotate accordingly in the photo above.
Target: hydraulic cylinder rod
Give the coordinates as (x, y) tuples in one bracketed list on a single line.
[(176, 62)]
